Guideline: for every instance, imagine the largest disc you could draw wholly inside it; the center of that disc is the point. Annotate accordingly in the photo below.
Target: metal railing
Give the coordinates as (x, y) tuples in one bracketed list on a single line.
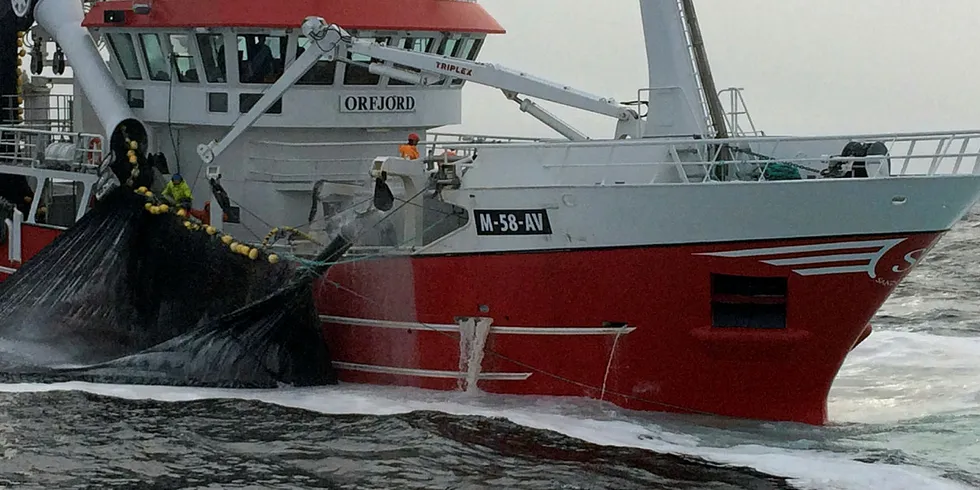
[(737, 112), (50, 112), (52, 150), (436, 145), (753, 158), (440, 137), (460, 144), (761, 158)]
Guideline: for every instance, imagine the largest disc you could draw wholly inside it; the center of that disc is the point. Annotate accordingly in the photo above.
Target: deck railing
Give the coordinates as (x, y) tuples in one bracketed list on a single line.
[(906, 154), (737, 113), (752, 158), (53, 150), (50, 112)]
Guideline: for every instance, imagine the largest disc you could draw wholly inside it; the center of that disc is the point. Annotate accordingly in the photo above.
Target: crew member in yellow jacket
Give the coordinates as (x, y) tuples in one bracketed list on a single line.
[(178, 192)]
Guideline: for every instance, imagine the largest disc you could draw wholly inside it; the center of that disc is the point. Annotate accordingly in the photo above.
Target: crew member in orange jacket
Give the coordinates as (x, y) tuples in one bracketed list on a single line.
[(410, 150)]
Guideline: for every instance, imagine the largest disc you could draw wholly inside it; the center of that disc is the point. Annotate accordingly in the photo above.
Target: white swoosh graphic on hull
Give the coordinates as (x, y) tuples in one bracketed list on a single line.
[(817, 264)]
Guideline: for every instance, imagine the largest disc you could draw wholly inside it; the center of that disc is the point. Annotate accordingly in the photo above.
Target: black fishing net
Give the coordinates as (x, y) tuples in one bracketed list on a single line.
[(129, 296)]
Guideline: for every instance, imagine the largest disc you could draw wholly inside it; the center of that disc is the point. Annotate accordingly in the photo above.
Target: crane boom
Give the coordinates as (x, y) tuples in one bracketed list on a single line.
[(330, 41), (506, 79)]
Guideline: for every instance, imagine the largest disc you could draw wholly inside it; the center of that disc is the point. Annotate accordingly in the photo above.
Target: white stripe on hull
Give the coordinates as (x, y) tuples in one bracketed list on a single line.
[(435, 327), (816, 247), (427, 373), (7, 270), (869, 259)]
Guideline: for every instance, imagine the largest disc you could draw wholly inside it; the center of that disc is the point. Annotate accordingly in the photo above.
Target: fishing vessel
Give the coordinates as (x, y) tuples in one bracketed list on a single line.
[(690, 263)]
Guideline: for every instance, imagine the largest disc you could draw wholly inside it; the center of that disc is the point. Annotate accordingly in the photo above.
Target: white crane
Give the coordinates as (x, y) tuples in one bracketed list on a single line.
[(330, 41)]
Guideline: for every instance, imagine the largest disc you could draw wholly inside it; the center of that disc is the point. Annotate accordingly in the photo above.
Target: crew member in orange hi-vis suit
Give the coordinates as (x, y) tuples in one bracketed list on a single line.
[(410, 150)]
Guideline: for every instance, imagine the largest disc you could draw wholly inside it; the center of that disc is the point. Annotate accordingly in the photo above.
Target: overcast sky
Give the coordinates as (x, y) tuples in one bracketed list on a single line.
[(807, 66)]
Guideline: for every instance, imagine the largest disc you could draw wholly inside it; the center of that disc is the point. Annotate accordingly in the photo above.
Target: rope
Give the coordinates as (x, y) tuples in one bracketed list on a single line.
[(524, 365), (307, 264), (285, 232), (361, 258), (155, 205), (325, 218), (767, 157), (612, 353)]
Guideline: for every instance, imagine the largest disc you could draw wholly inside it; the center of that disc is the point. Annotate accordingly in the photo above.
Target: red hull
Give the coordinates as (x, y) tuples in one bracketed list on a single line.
[(674, 359), (633, 326), (33, 239)]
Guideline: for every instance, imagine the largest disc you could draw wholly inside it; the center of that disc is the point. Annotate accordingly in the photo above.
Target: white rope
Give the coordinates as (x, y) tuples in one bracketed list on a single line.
[(612, 352)]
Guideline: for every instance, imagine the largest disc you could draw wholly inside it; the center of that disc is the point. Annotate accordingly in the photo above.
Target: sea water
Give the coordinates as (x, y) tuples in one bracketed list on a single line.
[(905, 414)]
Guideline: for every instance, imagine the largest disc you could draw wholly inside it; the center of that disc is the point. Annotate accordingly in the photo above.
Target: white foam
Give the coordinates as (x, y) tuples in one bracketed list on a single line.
[(896, 376), (807, 468)]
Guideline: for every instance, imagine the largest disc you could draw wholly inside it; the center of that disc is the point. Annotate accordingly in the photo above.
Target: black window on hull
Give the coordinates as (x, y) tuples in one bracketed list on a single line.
[(748, 302)]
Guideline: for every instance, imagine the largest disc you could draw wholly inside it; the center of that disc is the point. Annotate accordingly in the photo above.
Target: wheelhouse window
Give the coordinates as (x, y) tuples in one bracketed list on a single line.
[(417, 44), (359, 75), (261, 58), (322, 73), (212, 48), (474, 49), (748, 302), (467, 49), (183, 59), (125, 52), (448, 46), (156, 61)]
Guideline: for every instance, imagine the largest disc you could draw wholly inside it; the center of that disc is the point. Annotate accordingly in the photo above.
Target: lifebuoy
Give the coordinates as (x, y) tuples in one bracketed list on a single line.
[(95, 148)]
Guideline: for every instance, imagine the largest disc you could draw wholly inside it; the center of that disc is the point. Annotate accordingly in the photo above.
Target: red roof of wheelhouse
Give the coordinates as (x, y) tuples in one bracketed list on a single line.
[(388, 15)]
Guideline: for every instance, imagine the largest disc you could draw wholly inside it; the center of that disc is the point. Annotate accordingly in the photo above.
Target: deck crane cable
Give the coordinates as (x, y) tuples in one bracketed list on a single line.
[(361, 258), (170, 105), (308, 264), (252, 214), (277, 233), (400, 246), (282, 231), (311, 219), (317, 38)]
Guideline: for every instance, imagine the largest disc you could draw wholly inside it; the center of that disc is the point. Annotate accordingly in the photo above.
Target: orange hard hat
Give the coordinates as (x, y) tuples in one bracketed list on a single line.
[(413, 137)]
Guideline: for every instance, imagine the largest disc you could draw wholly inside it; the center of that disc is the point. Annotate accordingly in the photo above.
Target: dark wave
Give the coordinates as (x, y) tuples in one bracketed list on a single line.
[(72, 439)]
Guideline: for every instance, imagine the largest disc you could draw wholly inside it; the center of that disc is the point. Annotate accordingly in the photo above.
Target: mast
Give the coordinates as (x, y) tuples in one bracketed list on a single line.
[(715, 110), (676, 105)]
